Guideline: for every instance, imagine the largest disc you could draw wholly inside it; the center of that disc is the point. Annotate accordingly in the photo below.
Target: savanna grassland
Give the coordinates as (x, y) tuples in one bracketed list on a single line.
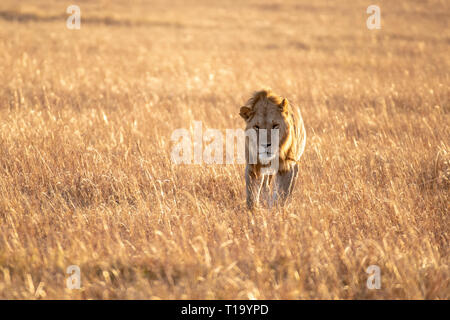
[(86, 179)]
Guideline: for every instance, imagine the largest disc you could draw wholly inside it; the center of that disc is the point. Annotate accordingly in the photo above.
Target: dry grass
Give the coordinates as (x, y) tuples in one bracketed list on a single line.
[(86, 178)]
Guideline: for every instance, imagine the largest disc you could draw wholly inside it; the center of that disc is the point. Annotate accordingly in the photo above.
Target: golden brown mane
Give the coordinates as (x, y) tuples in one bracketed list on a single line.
[(265, 94)]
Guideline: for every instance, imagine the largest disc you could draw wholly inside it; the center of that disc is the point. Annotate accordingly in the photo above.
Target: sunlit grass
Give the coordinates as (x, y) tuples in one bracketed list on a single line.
[(86, 178)]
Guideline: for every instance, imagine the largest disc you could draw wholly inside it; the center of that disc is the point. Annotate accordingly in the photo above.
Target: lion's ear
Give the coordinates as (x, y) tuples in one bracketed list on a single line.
[(284, 105), (245, 112)]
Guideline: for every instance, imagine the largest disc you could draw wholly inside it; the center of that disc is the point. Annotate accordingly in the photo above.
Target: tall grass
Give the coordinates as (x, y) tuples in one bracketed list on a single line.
[(85, 172)]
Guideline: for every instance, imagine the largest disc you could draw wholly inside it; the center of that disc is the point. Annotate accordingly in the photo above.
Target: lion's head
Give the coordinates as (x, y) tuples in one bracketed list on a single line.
[(265, 112)]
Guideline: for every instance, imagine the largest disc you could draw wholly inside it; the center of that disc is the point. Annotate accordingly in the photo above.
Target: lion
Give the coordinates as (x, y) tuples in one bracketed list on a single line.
[(267, 113)]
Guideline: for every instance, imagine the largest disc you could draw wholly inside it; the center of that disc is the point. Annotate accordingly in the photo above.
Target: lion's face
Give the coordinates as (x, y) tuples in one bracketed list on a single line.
[(269, 119)]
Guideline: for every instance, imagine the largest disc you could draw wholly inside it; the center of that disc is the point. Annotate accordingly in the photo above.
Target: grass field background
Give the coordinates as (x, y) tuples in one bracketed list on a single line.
[(86, 179)]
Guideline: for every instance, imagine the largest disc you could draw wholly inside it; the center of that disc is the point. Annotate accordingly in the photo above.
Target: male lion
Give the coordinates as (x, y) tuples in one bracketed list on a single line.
[(266, 113)]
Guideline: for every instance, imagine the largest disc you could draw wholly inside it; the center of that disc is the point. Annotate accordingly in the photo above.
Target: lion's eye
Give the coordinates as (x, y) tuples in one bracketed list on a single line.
[(275, 126), (256, 127)]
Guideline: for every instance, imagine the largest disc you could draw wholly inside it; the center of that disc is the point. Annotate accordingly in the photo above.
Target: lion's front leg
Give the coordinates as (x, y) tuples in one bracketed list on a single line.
[(284, 185), (253, 185), (265, 194)]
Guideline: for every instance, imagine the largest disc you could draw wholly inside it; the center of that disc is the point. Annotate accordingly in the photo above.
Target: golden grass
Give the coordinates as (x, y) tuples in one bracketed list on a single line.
[(86, 178)]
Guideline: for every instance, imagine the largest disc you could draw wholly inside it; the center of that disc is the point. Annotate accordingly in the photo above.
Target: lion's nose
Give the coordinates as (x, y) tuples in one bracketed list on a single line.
[(264, 148)]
